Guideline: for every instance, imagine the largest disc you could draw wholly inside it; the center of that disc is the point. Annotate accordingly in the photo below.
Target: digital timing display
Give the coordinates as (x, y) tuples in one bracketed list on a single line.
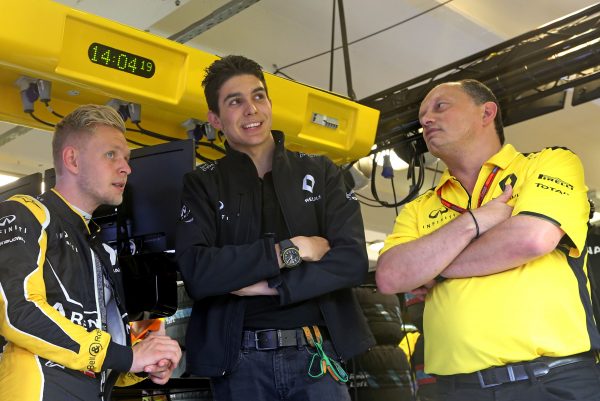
[(120, 60)]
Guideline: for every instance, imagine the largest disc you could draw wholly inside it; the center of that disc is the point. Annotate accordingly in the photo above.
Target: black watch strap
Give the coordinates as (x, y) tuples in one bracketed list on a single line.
[(286, 243), (289, 253)]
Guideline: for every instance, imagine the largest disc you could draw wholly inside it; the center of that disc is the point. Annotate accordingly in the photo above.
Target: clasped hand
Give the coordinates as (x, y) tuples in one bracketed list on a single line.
[(157, 354)]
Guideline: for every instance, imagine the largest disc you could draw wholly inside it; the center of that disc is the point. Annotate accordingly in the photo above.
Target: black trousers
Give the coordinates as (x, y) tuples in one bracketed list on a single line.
[(576, 382)]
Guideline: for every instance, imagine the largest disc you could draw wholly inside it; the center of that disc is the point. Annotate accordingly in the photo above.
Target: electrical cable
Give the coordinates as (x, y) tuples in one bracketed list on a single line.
[(51, 110), (332, 51), (368, 204), (416, 161), (366, 197), (168, 139), (152, 133), (278, 70), (211, 146), (141, 132), (394, 194), (283, 74), (346, 51), (204, 159), (40, 120), (136, 143), (220, 136)]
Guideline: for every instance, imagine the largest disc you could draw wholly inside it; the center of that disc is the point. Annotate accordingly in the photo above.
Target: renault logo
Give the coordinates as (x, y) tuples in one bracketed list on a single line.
[(308, 183)]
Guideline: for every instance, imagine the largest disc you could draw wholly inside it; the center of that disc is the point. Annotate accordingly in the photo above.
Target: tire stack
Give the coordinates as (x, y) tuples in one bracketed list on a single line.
[(382, 373), (426, 384)]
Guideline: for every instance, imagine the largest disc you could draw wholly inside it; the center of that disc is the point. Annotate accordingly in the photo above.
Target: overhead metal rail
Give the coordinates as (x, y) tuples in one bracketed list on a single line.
[(529, 74), (221, 14)]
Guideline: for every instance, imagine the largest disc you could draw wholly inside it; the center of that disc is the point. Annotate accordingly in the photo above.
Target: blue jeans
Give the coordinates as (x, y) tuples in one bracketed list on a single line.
[(280, 374)]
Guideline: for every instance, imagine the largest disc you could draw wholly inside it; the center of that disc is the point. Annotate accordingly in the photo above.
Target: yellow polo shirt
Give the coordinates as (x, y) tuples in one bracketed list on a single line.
[(540, 308)]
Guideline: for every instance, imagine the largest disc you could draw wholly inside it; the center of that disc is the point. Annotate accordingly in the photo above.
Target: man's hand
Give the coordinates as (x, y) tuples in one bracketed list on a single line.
[(424, 289), (494, 212), (260, 288), (311, 249), (161, 372), (156, 354)]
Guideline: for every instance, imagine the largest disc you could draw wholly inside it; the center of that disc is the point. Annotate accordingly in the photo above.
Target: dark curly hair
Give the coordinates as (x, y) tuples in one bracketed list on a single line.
[(222, 70)]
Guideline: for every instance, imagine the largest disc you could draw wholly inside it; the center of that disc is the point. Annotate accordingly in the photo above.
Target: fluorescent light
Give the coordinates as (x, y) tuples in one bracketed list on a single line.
[(7, 179), (397, 163)]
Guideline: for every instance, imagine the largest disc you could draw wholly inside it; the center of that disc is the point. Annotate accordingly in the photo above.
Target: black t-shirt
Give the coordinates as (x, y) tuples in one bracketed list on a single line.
[(264, 312)]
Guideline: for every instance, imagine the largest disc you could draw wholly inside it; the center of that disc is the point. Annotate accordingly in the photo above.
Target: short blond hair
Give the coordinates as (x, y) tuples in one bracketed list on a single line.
[(82, 121)]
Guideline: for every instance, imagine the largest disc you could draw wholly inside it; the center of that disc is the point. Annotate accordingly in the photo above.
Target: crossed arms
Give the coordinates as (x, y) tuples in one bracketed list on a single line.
[(505, 242)]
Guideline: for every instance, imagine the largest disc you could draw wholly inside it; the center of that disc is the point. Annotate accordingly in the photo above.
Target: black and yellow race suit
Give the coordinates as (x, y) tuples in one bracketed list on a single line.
[(52, 305)]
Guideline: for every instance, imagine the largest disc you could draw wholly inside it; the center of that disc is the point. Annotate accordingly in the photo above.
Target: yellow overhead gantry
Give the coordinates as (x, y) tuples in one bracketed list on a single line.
[(89, 59)]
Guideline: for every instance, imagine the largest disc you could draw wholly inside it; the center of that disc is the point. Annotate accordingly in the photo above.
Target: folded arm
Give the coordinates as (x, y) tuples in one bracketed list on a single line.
[(509, 244), (413, 264)]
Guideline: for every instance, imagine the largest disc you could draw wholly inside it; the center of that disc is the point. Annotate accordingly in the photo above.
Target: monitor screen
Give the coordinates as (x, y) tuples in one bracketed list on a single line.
[(28, 185), (151, 203)]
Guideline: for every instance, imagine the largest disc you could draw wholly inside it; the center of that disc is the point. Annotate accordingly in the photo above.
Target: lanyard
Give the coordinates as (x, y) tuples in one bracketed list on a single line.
[(324, 363), (484, 190)]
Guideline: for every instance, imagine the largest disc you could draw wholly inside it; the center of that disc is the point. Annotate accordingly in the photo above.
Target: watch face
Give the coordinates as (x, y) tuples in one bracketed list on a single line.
[(291, 257)]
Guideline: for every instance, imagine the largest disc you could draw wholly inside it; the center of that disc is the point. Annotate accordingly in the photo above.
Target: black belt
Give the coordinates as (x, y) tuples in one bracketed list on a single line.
[(270, 339), (539, 367)]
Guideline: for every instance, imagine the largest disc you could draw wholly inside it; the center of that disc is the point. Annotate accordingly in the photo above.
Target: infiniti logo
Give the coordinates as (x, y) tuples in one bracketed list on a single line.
[(438, 212), (7, 220)]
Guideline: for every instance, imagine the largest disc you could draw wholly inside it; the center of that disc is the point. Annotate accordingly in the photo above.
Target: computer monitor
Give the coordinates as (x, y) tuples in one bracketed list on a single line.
[(28, 185), (151, 202), (146, 222)]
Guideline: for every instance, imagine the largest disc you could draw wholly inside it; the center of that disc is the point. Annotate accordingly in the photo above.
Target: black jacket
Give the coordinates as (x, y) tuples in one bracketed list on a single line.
[(221, 249)]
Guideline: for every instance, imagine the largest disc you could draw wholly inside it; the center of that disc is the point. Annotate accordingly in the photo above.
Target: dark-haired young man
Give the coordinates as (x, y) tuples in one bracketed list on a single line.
[(270, 241), (508, 313)]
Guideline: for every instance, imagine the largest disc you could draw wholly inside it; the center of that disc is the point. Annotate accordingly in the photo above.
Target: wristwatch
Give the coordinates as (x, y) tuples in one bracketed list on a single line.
[(290, 254)]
